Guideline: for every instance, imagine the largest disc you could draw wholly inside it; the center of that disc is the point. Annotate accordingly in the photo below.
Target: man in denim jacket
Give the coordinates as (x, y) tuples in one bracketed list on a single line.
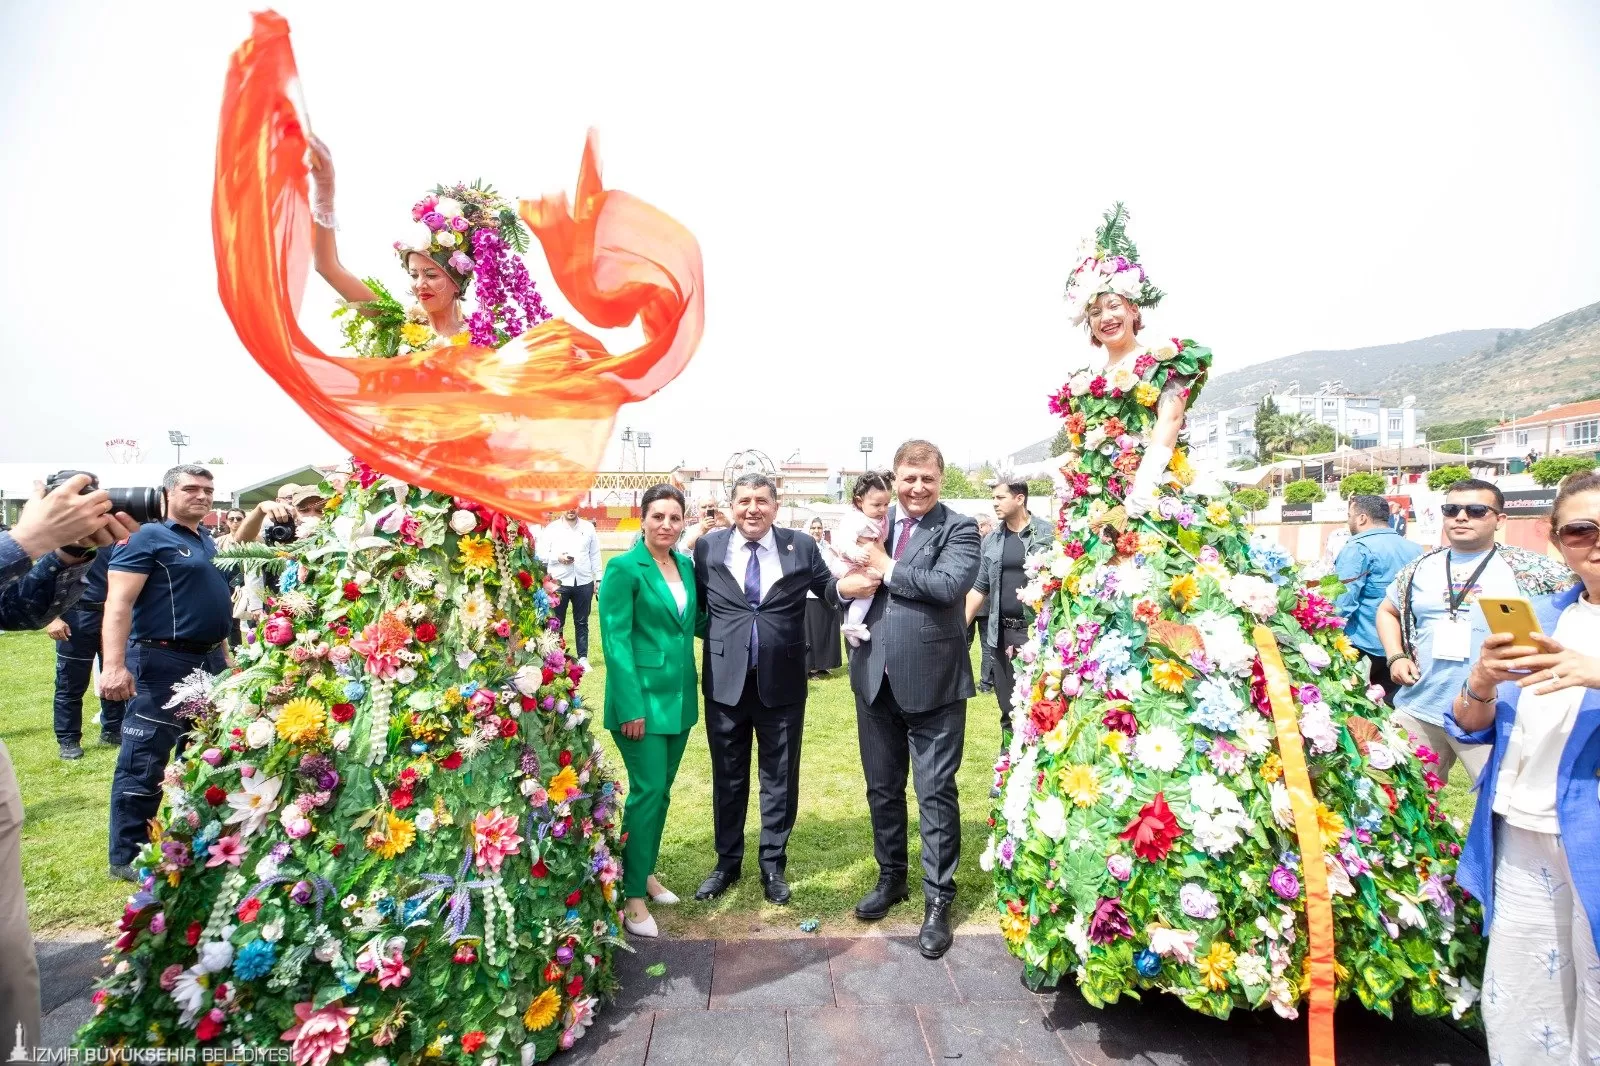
[(1367, 565)]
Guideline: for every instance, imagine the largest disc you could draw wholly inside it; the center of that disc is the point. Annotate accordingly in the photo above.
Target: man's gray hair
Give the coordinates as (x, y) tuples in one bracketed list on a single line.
[(169, 480), (758, 480)]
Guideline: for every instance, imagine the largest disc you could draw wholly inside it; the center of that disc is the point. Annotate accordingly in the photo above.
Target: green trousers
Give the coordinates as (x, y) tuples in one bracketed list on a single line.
[(652, 763)]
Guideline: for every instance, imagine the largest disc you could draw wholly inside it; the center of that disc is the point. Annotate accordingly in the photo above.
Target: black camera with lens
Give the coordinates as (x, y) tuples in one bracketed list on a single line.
[(279, 533), (142, 505)]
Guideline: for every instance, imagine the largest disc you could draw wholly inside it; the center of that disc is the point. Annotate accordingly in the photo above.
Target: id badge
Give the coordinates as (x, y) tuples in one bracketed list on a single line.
[(1452, 639)]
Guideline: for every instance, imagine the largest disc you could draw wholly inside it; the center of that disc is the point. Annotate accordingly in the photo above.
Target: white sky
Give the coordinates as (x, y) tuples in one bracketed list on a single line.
[(887, 195)]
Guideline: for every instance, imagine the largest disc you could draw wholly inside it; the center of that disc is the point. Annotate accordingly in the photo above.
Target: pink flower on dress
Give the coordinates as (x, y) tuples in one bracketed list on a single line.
[(393, 971), (320, 1034), (229, 849), (382, 642), (494, 836)]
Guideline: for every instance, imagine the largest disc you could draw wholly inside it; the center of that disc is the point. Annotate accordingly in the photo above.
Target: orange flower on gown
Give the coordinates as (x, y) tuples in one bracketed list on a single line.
[(521, 428)]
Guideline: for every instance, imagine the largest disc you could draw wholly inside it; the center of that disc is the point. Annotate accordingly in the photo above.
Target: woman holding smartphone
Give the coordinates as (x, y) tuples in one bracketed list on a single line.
[(1533, 852), (647, 622)]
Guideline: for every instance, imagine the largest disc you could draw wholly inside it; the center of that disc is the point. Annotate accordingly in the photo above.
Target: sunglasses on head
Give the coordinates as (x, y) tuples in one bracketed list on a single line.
[(1580, 534), (1474, 510)]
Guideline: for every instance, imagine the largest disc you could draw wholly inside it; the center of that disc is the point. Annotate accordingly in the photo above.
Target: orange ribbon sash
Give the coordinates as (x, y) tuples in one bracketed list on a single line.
[(1321, 997)]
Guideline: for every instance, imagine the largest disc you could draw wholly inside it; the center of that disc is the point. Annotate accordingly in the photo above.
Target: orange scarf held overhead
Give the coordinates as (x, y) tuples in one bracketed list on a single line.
[(520, 429)]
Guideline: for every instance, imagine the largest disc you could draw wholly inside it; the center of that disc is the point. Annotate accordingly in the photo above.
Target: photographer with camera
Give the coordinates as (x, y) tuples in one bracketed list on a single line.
[(174, 605), (711, 517), (42, 563)]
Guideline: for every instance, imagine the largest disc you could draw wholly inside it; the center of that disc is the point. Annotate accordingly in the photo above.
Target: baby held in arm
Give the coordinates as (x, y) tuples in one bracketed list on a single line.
[(864, 524)]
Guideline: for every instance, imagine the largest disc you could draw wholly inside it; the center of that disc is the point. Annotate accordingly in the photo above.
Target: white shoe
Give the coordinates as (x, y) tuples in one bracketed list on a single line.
[(584, 662), (646, 928), (666, 898)]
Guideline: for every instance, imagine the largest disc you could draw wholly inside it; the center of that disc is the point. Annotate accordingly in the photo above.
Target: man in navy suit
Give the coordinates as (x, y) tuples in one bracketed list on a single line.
[(752, 582), (912, 681)]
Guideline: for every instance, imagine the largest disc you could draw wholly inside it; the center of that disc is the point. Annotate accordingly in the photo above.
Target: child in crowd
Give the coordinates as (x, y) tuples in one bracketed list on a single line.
[(861, 525)]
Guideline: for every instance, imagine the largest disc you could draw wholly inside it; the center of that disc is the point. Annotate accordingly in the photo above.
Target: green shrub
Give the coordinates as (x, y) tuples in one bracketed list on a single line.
[(1553, 468), (1364, 483), (1303, 491), (1445, 476), (1252, 500)]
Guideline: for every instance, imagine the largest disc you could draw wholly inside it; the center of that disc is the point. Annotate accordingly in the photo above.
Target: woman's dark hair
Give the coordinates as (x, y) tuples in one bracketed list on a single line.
[(1573, 485), (872, 479), (657, 493)]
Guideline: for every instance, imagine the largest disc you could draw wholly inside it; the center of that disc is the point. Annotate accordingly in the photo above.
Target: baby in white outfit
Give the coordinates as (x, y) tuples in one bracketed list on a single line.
[(861, 525)]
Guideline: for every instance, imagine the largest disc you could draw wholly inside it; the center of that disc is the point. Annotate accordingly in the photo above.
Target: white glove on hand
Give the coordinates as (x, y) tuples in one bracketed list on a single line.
[(321, 182), (1141, 498)]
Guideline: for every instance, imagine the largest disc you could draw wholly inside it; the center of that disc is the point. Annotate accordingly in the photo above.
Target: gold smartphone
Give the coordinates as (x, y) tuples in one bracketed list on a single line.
[(1511, 615)]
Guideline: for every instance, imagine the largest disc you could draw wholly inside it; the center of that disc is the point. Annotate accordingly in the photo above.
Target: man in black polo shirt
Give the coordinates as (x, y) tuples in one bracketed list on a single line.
[(77, 637), (164, 594)]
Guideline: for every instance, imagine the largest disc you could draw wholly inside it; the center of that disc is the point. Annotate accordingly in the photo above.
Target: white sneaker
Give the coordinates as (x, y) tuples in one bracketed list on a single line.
[(646, 928), (666, 898), (584, 662)]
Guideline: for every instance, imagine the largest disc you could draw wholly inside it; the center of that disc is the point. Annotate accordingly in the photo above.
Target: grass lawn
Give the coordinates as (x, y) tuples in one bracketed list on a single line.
[(830, 851)]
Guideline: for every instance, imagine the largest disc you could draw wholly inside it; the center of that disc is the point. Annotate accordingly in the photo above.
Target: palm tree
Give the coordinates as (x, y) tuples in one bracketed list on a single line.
[(1293, 433)]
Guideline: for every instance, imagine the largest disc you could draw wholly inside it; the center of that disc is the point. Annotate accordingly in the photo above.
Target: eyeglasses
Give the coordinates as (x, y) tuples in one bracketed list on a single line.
[(1474, 510), (1580, 534)]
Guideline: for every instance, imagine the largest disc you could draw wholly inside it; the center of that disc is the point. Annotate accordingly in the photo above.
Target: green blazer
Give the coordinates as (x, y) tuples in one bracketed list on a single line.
[(649, 647)]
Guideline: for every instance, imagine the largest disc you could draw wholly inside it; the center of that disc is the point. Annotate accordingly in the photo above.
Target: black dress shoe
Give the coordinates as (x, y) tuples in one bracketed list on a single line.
[(934, 940), (888, 891), (775, 888), (717, 883)]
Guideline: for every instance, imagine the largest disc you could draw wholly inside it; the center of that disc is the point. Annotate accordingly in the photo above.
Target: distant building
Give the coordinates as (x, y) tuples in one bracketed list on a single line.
[(803, 482), (1362, 418), (1571, 428), (1218, 437), (1034, 453)]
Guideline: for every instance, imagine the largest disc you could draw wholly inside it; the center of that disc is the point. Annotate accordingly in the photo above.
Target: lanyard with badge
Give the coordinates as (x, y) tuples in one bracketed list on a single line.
[(1452, 636)]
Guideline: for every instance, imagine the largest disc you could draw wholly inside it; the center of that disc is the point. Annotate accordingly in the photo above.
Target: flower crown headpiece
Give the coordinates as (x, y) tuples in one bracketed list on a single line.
[(1109, 263), (474, 235)]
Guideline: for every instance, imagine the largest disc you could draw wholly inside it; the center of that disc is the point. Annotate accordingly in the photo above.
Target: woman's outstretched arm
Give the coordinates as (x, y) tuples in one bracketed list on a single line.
[(324, 246)]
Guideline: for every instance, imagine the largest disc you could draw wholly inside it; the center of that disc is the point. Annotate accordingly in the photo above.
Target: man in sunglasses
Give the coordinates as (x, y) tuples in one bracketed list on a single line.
[(1430, 624)]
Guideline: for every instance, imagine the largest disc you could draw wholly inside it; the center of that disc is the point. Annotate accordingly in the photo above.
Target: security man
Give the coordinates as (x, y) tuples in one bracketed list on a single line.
[(77, 637), (166, 595)]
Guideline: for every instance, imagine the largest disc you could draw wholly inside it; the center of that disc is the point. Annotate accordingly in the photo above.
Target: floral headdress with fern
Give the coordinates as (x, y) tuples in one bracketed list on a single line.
[(474, 234), (1109, 262)]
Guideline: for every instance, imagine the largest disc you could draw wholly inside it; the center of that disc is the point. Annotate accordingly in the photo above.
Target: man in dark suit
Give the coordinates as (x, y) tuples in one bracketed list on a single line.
[(752, 582), (912, 681)]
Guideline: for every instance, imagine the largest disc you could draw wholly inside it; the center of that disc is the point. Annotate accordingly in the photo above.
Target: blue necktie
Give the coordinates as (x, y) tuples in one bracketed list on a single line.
[(752, 595)]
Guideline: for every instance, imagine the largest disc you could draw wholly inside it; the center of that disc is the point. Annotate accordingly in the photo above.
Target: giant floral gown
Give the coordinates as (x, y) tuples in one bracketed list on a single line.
[(392, 837), (1143, 837)]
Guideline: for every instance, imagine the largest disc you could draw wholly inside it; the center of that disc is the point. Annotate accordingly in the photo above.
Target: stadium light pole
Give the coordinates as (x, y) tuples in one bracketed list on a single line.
[(177, 438), (866, 453)]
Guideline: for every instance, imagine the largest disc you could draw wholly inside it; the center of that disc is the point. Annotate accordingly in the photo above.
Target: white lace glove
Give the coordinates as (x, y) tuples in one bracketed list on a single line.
[(1141, 498), (321, 183)]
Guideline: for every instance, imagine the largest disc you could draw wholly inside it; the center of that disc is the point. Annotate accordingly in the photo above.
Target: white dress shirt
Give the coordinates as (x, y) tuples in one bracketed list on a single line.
[(738, 558), (577, 539)]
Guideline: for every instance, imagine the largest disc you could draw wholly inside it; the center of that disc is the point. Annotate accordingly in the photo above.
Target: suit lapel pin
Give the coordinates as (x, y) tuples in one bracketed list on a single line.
[(790, 548)]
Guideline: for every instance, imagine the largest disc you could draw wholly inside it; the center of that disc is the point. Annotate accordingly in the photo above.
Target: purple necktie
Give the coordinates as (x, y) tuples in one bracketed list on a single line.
[(752, 595)]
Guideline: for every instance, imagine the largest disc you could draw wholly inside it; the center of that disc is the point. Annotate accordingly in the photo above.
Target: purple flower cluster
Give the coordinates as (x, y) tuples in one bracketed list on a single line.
[(506, 295)]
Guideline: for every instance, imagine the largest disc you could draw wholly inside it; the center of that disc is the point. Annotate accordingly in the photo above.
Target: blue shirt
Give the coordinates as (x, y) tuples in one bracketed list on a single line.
[(184, 597), (33, 594), (1367, 565), (1430, 698), (94, 580)]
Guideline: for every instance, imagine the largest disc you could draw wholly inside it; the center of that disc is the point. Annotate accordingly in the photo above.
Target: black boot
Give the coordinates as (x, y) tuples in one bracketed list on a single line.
[(890, 889), (934, 939)]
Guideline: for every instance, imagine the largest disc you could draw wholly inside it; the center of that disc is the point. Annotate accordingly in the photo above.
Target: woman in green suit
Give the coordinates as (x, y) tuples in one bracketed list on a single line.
[(647, 621)]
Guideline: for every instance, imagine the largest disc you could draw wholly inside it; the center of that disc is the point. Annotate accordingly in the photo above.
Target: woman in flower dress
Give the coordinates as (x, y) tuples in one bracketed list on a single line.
[(1144, 833), (397, 839)]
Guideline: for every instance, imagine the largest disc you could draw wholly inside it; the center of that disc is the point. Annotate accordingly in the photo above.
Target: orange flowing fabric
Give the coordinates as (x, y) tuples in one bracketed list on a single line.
[(1319, 904), (521, 428)]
